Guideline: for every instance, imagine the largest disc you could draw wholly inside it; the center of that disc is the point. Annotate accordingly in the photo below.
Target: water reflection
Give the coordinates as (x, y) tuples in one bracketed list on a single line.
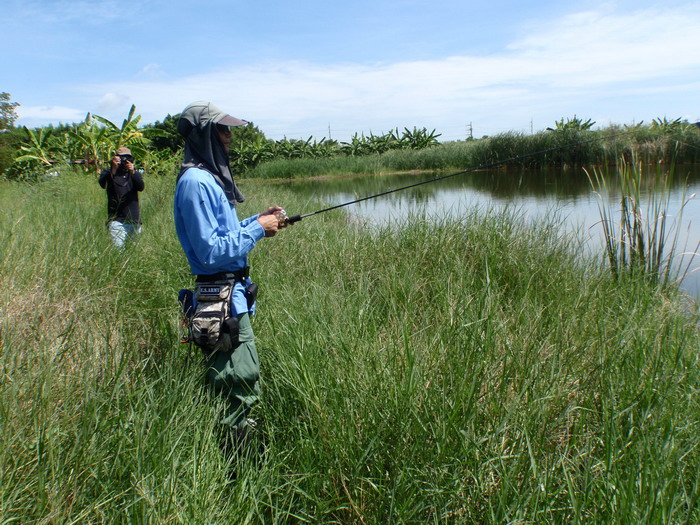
[(536, 194)]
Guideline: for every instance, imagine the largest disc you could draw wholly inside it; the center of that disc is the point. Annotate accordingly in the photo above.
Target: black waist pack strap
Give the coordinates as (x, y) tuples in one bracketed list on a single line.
[(237, 275)]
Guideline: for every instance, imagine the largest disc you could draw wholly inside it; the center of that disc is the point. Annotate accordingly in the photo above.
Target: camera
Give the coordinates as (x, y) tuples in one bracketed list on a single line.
[(123, 159)]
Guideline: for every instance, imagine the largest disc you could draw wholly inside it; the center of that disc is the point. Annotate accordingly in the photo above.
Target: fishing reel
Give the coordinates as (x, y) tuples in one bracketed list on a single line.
[(283, 218)]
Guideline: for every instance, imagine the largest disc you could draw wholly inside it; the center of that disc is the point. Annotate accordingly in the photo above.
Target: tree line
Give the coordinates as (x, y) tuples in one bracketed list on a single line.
[(26, 154)]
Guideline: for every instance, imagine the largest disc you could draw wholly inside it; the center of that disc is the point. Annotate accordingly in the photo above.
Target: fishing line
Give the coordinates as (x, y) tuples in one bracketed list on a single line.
[(297, 218)]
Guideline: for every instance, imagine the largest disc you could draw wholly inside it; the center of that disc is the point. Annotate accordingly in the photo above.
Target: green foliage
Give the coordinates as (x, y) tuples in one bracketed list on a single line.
[(360, 145), (8, 113), (38, 150), (571, 146), (164, 135), (393, 140), (669, 126), (571, 143), (9, 148), (245, 134), (566, 148), (575, 123), (88, 143), (419, 138), (126, 135), (161, 162), (293, 149), (249, 147)]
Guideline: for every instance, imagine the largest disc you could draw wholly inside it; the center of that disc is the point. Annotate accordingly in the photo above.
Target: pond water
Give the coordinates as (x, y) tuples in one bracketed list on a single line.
[(534, 194)]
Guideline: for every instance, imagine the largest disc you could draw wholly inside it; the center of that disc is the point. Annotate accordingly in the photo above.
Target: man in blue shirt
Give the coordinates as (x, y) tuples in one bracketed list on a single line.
[(216, 244)]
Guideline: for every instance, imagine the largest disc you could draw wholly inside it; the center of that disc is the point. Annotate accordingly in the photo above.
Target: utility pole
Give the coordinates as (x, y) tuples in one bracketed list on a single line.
[(329, 132), (531, 130), (470, 131)]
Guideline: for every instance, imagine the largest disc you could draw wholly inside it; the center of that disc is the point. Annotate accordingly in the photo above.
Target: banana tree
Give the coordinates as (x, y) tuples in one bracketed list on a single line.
[(126, 135), (90, 143), (357, 146), (420, 138), (38, 150), (667, 126), (248, 154), (575, 124)]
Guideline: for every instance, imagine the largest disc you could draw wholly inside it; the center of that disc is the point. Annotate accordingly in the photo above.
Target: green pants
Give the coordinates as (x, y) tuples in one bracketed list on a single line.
[(234, 374)]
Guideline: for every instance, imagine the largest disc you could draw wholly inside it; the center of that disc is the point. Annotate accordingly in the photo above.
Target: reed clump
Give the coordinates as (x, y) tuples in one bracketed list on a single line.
[(556, 148), (640, 237), (472, 371)]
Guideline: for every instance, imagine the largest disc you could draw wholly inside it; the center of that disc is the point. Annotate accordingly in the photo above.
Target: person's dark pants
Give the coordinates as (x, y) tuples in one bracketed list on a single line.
[(235, 374)]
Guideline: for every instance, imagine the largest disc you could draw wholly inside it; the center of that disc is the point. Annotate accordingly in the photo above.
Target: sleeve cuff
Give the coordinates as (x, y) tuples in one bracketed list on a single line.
[(256, 230)]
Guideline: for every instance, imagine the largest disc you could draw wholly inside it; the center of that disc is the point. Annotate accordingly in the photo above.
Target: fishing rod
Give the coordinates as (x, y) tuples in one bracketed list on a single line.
[(297, 218)]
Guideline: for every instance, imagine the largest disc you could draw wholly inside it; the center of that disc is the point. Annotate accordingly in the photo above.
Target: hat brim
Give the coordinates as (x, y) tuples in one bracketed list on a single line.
[(123, 151), (228, 120)]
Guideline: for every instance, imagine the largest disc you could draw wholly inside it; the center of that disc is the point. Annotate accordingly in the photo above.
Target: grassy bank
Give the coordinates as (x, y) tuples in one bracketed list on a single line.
[(476, 372), (602, 147)]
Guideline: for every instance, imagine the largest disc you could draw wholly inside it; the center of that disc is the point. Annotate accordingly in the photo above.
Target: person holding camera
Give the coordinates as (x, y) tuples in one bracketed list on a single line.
[(123, 184)]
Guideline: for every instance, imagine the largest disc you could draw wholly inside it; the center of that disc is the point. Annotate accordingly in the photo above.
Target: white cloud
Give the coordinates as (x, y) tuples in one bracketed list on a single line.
[(595, 47), (43, 114), (111, 101), (151, 71), (589, 63)]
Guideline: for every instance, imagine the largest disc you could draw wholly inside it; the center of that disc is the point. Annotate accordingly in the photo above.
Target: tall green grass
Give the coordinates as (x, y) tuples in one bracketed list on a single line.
[(476, 371), (564, 148)]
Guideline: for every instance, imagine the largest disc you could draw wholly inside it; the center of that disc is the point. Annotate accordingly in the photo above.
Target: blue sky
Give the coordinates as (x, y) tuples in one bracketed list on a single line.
[(311, 68)]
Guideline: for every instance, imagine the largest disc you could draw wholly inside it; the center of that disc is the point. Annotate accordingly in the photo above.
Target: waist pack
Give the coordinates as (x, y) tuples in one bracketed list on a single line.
[(211, 325), (211, 317)]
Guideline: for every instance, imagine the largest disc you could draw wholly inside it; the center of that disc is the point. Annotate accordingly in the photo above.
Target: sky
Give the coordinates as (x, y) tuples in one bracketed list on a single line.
[(333, 69)]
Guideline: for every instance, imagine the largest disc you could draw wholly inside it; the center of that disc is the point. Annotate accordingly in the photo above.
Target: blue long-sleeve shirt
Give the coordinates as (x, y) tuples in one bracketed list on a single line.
[(212, 237)]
